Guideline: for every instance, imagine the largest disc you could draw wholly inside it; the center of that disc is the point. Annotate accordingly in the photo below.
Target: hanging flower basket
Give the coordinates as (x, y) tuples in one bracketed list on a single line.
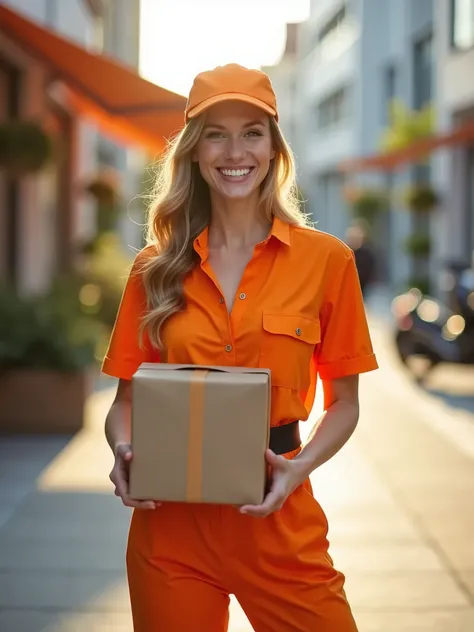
[(421, 198), (418, 245), (25, 147), (366, 203), (103, 187)]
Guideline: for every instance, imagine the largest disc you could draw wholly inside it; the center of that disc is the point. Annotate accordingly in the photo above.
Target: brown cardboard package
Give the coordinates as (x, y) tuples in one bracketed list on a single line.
[(199, 434)]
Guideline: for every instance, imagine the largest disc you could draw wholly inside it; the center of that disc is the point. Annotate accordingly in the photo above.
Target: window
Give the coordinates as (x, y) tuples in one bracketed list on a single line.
[(423, 72), (334, 109), (389, 87), (332, 26), (462, 24)]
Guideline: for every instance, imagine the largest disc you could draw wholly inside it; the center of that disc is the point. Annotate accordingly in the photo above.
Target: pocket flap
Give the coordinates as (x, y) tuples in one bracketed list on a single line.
[(293, 325)]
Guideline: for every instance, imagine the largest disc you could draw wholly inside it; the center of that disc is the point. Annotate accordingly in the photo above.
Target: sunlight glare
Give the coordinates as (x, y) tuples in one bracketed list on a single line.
[(180, 38)]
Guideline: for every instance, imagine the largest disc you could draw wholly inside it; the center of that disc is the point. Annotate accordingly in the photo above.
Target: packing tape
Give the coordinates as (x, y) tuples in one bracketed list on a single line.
[(196, 435)]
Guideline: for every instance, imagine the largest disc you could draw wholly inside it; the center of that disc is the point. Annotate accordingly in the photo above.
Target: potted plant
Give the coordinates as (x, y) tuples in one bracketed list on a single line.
[(418, 245), (25, 147), (421, 198), (367, 203), (47, 350), (104, 188)]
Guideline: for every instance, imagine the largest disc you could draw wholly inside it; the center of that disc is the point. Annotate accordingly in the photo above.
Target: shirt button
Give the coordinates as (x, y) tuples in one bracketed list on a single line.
[(242, 296), (221, 300), (228, 348), (298, 331)]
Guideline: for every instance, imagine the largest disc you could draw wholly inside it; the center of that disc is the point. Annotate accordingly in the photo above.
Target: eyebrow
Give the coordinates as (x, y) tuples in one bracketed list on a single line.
[(251, 124)]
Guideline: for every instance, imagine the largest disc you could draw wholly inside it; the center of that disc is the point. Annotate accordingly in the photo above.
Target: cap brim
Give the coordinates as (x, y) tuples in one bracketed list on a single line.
[(230, 96)]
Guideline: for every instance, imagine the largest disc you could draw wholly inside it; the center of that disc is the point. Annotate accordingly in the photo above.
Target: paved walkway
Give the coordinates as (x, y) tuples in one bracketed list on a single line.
[(399, 498)]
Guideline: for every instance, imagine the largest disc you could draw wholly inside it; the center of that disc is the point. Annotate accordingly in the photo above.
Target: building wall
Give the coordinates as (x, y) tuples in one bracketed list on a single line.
[(380, 35), (121, 39), (324, 70), (454, 169), (43, 248)]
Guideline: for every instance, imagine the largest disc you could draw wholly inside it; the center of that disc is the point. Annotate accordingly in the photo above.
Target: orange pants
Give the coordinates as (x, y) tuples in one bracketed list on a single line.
[(184, 560)]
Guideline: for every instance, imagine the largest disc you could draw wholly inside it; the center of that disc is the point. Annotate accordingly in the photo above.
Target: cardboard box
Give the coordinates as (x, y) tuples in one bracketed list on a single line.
[(199, 434)]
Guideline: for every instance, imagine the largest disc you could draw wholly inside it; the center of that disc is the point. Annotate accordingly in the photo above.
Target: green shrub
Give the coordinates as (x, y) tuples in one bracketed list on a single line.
[(24, 146), (418, 245), (46, 332)]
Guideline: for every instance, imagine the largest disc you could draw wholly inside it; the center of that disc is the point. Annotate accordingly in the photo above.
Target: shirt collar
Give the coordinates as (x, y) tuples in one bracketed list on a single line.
[(280, 230)]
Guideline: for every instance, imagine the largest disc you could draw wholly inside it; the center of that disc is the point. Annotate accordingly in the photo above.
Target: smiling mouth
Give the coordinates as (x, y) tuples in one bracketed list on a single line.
[(231, 174)]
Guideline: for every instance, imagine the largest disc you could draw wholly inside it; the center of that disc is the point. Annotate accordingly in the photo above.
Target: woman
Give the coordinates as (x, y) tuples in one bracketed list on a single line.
[(233, 276)]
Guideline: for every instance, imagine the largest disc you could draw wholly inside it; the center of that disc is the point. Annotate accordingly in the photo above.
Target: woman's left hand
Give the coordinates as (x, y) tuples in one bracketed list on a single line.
[(286, 476)]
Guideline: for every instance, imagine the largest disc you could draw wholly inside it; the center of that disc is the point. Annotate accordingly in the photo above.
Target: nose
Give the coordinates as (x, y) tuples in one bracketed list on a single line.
[(234, 149)]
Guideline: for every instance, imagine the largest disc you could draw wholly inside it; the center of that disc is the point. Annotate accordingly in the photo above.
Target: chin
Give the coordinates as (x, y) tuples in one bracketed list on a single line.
[(237, 193)]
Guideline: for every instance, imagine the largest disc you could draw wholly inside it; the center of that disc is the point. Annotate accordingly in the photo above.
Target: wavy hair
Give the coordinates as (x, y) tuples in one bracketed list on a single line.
[(180, 210)]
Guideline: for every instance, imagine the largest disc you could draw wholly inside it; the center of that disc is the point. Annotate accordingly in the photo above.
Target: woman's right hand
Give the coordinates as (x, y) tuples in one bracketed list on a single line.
[(119, 477)]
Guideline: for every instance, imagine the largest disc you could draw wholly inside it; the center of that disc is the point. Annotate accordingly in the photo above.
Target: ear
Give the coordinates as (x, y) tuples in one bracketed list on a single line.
[(273, 154), (194, 156)]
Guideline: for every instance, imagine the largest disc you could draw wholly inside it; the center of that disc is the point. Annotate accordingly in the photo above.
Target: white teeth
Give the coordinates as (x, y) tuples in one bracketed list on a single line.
[(235, 172)]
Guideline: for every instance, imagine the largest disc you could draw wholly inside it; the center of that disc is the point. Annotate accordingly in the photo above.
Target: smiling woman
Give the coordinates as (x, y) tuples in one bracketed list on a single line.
[(234, 158), (233, 277)]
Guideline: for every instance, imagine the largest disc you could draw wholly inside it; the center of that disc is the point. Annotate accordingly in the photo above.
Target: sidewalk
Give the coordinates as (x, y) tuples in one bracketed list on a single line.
[(399, 498)]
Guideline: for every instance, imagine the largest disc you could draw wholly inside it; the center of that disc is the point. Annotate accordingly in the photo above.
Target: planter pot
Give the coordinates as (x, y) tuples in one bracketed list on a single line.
[(41, 401)]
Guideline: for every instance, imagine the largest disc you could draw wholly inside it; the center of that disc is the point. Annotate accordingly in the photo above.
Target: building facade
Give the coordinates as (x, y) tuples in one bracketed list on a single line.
[(45, 217), (283, 76), (356, 58), (454, 170)]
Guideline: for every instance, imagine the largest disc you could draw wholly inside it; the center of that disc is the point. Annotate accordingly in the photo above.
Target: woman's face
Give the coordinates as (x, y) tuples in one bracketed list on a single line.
[(235, 149)]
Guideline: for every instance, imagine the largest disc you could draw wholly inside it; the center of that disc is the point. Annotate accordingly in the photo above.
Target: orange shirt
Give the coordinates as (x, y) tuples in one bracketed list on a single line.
[(298, 311)]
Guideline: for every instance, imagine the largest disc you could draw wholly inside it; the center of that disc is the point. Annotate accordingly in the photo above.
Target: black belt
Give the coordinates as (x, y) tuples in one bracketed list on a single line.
[(285, 438)]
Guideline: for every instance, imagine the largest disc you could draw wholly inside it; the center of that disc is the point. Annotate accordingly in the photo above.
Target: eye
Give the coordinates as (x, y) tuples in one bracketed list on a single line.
[(254, 133), (214, 135)]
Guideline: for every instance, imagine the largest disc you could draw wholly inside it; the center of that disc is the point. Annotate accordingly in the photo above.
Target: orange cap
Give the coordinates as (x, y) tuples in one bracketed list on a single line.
[(231, 83)]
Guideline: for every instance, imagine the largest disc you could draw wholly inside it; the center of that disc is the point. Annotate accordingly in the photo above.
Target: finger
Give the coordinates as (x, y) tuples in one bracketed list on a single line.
[(275, 460), (273, 502), (124, 450), (140, 504), (121, 487)]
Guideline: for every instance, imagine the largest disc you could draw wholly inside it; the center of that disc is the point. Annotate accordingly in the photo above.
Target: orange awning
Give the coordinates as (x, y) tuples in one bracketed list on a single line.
[(415, 152), (122, 102)]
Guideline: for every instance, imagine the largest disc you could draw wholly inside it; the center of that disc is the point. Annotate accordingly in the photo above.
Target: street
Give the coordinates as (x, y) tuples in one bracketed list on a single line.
[(399, 499)]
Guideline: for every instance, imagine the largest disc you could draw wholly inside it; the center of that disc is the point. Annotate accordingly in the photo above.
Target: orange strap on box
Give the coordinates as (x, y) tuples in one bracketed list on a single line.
[(196, 433)]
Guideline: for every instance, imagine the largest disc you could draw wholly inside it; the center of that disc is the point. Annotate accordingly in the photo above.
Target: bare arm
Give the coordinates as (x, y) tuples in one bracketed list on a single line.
[(119, 418), (118, 434), (328, 436), (335, 426)]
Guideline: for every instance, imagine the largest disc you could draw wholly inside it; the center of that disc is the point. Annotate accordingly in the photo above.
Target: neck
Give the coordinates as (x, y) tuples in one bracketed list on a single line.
[(237, 223)]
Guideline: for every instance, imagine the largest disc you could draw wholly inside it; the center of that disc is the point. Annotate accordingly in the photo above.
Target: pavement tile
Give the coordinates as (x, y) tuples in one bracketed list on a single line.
[(404, 591), (386, 558), (467, 578), (458, 620), (69, 528), (32, 589), (63, 555), (59, 621), (370, 523), (459, 553)]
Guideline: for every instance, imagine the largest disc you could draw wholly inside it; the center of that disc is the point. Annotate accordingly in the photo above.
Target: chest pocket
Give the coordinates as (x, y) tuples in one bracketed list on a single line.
[(288, 343)]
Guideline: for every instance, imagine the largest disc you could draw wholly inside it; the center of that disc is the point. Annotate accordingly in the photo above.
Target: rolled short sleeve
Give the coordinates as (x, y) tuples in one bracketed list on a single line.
[(125, 354), (346, 347)]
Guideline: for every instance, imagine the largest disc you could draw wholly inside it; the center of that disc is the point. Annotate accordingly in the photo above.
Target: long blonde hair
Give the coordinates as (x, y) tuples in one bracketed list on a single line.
[(181, 209)]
